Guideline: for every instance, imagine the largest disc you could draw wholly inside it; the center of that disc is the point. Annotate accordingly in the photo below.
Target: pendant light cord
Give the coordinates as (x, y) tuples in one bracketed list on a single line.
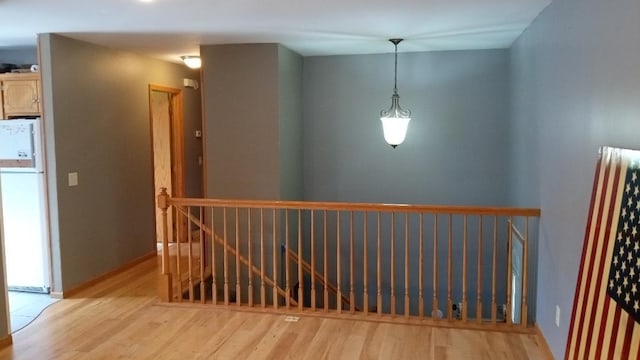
[(395, 77)]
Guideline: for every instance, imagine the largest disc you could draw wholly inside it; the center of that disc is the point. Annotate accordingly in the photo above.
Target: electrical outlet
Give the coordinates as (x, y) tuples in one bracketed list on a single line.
[(73, 179), (557, 316)]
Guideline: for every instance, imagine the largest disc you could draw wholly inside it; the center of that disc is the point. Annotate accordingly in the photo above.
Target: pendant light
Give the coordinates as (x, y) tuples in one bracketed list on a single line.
[(395, 121)]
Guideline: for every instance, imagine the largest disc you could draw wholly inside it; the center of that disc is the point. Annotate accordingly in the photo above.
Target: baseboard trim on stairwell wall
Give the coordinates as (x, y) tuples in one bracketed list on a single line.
[(6, 341), (543, 345), (120, 269)]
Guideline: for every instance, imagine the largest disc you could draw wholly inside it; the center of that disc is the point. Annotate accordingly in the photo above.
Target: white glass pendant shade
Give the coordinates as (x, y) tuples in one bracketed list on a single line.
[(395, 122)]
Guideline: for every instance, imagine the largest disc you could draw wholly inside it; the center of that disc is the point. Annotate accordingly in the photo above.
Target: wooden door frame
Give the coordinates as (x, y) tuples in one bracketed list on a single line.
[(1, 99), (177, 145)]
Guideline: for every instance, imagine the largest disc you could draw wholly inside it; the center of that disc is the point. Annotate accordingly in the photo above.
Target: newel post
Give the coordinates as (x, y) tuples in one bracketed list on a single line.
[(165, 288)]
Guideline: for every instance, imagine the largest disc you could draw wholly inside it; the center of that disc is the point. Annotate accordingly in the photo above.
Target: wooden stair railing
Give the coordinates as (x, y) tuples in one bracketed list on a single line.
[(233, 252), (428, 263)]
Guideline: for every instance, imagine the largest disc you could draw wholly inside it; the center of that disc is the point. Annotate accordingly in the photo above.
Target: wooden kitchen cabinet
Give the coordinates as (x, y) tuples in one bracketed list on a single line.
[(20, 95)]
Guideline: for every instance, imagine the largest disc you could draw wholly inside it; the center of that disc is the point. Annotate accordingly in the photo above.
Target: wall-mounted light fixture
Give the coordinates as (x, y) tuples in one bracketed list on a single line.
[(192, 61), (395, 121)]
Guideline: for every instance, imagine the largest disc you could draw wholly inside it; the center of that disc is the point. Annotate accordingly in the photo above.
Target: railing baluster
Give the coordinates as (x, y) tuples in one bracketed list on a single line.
[(449, 271), (365, 270), (166, 283), (286, 256), (393, 264), (352, 294), (238, 296), (407, 303), (525, 255), (178, 260), (313, 262), (479, 284), (379, 270), (421, 269), (214, 282), (203, 251), (434, 310), (226, 257), (464, 269), (325, 265), (494, 306), (338, 261), (263, 295), (189, 254), (300, 273), (250, 273), (508, 273), (274, 251)]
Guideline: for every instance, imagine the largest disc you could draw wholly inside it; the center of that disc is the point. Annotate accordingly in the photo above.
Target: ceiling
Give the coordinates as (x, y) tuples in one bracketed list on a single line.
[(168, 29)]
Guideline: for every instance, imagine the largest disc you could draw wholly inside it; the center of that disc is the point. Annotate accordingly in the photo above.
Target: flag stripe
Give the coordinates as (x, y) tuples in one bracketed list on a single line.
[(586, 289), (608, 328), (614, 349), (577, 299), (627, 339), (600, 288), (635, 343), (603, 329)]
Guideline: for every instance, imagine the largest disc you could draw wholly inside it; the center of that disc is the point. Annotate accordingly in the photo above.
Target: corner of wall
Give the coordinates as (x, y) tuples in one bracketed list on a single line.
[(48, 121)]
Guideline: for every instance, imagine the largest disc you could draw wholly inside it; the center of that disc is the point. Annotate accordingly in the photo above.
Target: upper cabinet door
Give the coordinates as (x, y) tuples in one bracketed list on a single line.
[(21, 97)]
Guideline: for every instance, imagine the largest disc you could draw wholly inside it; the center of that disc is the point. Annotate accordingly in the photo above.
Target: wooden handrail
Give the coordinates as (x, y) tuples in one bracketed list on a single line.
[(337, 206), (233, 252)]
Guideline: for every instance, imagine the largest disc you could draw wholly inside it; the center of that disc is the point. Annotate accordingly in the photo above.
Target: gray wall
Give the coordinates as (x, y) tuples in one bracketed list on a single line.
[(252, 121), (239, 83), (456, 151), (456, 147), (290, 124), (252, 96), (19, 55), (575, 87), (97, 124)]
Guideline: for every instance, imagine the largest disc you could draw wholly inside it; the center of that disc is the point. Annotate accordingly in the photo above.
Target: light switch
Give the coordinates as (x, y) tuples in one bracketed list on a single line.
[(73, 179)]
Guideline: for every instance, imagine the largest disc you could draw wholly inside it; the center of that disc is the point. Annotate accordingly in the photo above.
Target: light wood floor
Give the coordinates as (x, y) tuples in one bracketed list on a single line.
[(119, 319)]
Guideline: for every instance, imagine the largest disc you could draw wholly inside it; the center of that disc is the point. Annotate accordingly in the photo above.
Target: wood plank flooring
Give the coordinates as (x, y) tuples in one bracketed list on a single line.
[(120, 319)]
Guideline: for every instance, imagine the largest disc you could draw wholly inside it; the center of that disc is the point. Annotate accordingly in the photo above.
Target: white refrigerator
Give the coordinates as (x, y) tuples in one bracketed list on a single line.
[(22, 182)]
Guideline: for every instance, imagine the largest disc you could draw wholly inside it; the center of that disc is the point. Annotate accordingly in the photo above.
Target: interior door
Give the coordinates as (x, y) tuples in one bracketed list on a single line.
[(165, 106)]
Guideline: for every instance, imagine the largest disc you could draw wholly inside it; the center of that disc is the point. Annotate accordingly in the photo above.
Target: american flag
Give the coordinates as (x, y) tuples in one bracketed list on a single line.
[(605, 322)]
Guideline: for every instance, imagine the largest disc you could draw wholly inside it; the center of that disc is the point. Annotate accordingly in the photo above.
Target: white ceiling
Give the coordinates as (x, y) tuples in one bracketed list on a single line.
[(170, 28)]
